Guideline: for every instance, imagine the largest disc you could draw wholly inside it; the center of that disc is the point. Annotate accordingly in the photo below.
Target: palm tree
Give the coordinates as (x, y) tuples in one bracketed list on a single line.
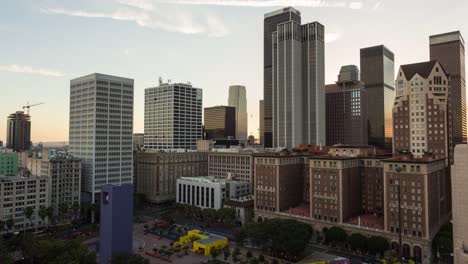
[(50, 214), (10, 223), (43, 214), (2, 225), (28, 212), (63, 211), (75, 209)]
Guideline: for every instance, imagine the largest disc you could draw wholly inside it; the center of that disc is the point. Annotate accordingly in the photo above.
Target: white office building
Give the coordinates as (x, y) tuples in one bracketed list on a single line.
[(173, 117), (101, 130), (209, 192)]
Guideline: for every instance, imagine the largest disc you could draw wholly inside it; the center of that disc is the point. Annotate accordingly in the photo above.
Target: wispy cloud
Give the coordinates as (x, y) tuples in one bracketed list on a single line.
[(354, 4), (144, 14), (30, 70)]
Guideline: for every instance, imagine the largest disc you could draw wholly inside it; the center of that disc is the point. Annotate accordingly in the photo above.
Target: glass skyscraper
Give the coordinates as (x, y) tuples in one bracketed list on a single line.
[(378, 75), (238, 99)]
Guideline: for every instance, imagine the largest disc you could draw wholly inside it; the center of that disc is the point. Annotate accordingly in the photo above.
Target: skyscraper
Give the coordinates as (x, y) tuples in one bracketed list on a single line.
[(298, 88), (238, 99), (220, 122), (261, 134), (271, 21), (101, 130), (346, 104), (173, 116), (18, 132), (378, 75), (420, 113), (449, 50), (459, 205)]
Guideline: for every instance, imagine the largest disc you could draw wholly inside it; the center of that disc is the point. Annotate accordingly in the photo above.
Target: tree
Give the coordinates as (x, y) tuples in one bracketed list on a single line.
[(335, 234), (28, 212), (75, 209), (443, 241), (43, 214), (226, 253), (63, 211), (56, 251), (253, 261), (2, 226), (261, 258), (358, 241), (4, 254), (85, 209), (50, 214), (10, 223), (377, 244)]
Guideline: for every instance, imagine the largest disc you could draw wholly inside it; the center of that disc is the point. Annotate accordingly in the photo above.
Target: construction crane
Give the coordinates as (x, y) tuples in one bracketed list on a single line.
[(28, 106)]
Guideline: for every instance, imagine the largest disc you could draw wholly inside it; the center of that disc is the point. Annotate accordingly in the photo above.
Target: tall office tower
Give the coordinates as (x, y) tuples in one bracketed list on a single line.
[(173, 116), (261, 119), (101, 130), (346, 105), (298, 85), (420, 113), (238, 99), (19, 132), (271, 21), (378, 75), (459, 205), (449, 50), (220, 122)]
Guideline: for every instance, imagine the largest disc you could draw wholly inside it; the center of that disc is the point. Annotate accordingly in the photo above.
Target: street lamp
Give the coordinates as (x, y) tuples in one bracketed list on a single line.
[(398, 170)]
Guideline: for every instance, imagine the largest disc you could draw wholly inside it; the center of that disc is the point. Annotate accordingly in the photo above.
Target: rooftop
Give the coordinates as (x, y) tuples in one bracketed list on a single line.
[(282, 10), (421, 68), (206, 179)]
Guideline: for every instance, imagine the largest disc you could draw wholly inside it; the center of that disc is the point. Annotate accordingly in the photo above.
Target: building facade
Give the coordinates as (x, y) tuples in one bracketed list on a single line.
[(220, 122), (19, 193), (238, 99), (173, 116), (378, 74), (270, 23), (421, 110), (8, 163), (449, 50), (157, 172), (346, 107), (101, 130), (236, 166), (19, 132), (298, 84), (459, 205), (208, 191)]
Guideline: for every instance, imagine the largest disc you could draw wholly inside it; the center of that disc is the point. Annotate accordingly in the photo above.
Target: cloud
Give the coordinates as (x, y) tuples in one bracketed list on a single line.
[(331, 37), (270, 3), (31, 70), (142, 13)]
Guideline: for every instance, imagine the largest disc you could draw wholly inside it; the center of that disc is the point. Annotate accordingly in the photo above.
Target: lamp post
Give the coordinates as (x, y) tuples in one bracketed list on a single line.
[(398, 170)]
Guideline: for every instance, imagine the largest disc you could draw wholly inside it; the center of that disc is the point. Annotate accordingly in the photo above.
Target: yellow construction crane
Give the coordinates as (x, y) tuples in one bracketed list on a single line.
[(28, 106)]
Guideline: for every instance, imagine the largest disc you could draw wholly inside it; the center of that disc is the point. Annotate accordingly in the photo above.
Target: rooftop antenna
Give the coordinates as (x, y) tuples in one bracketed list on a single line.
[(160, 81)]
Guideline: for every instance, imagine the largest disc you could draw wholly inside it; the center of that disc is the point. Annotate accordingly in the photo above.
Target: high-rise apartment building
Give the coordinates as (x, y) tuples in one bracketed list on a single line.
[(346, 107), (173, 116), (101, 130), (157, 172), (378, 75), (298, 84), (18, 132), (271, 21), (459, 205), (238, 99), (449, 50), (420, 113), (220, 122), (261, 125)]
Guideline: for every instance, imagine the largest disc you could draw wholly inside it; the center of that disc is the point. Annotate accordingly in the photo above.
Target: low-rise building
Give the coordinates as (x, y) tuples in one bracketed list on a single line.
[(236, 165), (208, 191), (243, 206), (157, 172), (19, 193)]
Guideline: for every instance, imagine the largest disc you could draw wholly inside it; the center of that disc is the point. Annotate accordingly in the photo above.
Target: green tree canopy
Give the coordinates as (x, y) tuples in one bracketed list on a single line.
[(358, 241), (443, 241), (335, 234), (377, 244)]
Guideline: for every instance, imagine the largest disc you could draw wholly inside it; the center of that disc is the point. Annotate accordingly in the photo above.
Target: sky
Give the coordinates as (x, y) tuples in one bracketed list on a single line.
[(210, 43)]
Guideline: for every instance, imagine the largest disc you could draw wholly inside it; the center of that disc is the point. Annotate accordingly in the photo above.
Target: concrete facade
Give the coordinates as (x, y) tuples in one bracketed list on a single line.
[(238, 99), (460, 205), (232, 165), (8, 164), (157, 172)]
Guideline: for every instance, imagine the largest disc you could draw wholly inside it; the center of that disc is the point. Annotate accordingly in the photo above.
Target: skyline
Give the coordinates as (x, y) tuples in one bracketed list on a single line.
[(39, 62)]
